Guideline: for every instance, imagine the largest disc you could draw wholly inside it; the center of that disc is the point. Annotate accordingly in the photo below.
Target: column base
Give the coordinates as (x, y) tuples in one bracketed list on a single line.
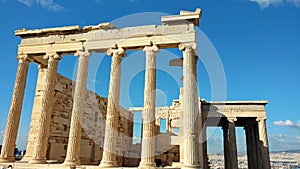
[(37, 161), (71, 162), (7, 159), (191, 167), (26, 158), (108, 164), (147, 166)]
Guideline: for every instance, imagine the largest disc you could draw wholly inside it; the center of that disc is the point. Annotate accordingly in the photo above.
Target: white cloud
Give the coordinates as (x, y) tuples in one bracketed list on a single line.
[(287, 123), (283, 123), (282, 141), (266, 3), (48, 4)]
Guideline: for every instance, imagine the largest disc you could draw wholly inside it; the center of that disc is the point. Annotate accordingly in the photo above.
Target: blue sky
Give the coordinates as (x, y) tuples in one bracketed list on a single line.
[(257, 41)]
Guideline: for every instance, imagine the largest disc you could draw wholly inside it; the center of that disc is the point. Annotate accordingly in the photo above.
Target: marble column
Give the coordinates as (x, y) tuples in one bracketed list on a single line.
[(232, 143), (79, 102), (257, 144), (43, 128), (226, 146), (35, 111), (13, 120), (148, 139), (251, 145), (190, 107), (204, 144), (263, 141), (112, 116), (181, 146)]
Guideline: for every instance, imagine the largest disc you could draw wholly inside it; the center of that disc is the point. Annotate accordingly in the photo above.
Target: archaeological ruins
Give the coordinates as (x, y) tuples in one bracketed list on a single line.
[(63, 108)]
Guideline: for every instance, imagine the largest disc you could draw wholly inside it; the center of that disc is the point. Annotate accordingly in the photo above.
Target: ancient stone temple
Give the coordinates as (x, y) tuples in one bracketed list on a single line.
[(72, 127)]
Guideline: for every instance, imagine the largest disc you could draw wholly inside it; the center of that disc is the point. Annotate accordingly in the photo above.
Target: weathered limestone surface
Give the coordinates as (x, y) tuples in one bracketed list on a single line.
[(101, 40), (93, 124), (190, 108), (149, 129), (11, 131), (263, 142), (44, 118), (112, 118), (73, 151)]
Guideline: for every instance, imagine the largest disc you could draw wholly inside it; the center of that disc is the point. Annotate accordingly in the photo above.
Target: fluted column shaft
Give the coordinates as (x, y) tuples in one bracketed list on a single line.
[(263, 141), (112, 116), (251, 146), (13, 120), (204, 145), (226, 146), (148, 139), (190, 108), (79, 102), (43, 128), (232, 143)]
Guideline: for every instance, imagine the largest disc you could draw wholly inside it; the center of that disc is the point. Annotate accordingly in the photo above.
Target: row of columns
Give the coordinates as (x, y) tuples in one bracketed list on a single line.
[(256, 140), (190, 102), (256, 149)]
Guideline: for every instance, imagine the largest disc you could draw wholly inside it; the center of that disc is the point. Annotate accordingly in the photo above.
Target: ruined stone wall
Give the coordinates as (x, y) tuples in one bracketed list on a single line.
[(93, 124), (167, 143)]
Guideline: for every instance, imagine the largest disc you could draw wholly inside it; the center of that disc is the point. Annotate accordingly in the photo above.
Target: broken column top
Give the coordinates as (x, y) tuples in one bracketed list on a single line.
[(183, 17)]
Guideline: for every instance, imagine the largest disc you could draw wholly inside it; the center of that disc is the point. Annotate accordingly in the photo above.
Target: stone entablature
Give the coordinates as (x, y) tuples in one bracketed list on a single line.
[(100, 38)]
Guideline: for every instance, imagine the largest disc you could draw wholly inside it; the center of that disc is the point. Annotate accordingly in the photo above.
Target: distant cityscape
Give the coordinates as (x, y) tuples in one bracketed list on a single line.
[(279, 160)]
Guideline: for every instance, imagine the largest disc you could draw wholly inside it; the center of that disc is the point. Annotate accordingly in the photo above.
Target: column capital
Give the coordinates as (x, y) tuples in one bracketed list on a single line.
[(82, 53), (24, 57), (187, 46), (259, 119), (116, 52), (41, 66), (52, 55), (152, 48), (232, 119)]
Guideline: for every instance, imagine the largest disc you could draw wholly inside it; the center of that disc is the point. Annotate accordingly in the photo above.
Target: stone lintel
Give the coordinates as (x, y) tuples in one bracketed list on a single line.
[(237, 102), (163, 41), (64, 48)]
